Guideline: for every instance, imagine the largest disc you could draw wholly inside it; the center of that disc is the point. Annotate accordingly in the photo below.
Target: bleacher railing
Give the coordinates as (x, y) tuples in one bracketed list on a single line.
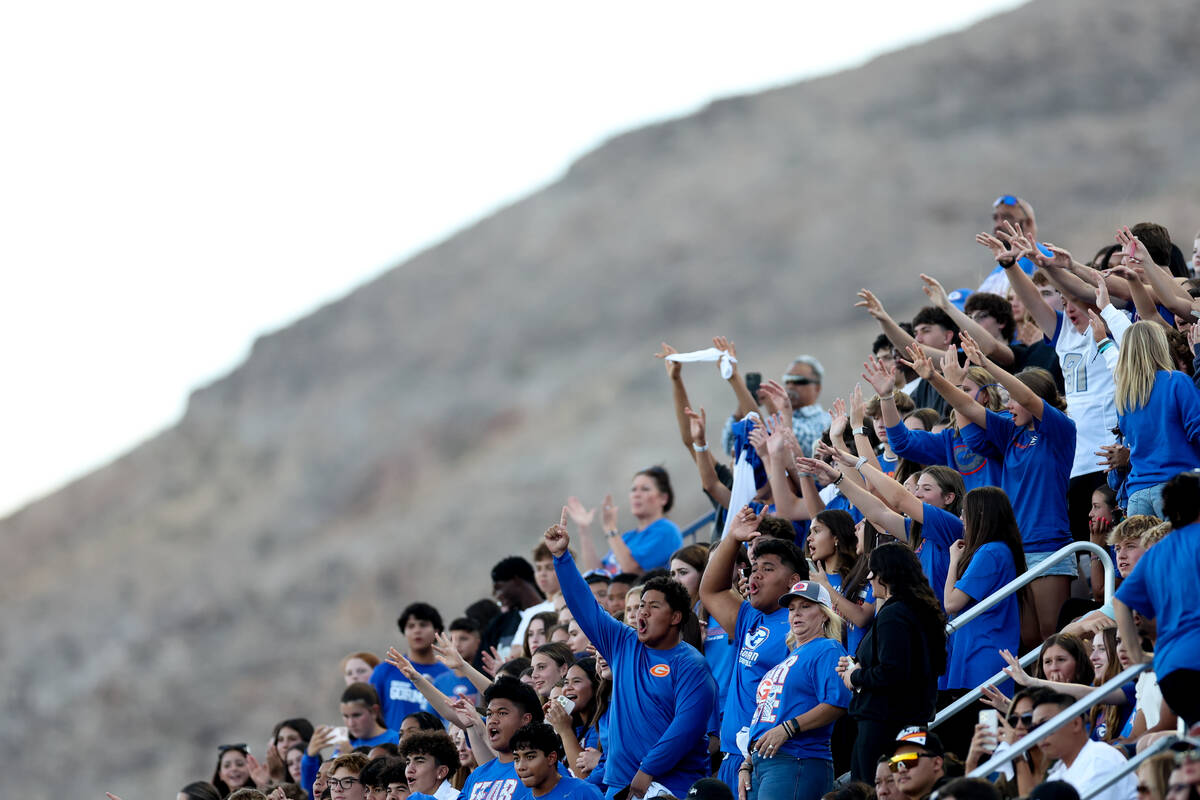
[(694, 528), (1070, 551), (1034, 737), (1135, 762)]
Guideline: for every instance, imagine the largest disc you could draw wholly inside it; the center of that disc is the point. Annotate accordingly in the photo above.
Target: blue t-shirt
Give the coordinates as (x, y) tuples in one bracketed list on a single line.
[(855, 634), (975, 656), (947, 449), (452, 686), (397, 695), (387, 737), (761, 643), (939, 530), (651, 546), (801, 682), (495, 780), (1037, 470), (1163, 587), (572, 789), (718, 652), (839, 501), (1163, 435), (661, 699)]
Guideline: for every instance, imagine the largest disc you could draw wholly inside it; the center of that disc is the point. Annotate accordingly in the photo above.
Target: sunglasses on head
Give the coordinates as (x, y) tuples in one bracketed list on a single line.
[(1005, 200), (221, 748), (909, 760)]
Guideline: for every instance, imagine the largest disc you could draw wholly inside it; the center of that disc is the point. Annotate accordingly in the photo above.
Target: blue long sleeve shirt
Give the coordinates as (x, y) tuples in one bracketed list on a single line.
[(661, 699), (947, 449)]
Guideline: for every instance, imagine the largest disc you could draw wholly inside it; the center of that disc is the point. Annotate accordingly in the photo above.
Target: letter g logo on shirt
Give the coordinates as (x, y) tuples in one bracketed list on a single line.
[(660, 670)]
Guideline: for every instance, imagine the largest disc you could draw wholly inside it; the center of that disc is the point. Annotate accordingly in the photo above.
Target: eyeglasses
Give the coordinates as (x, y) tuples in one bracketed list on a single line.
[(799, 380), (1005, 200), (1024, 719), (909, 760), (221, 748), (343, 783)]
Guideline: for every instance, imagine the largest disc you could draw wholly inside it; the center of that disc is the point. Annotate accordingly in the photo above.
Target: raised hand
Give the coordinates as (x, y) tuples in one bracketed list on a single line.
[(258, 771), (837, 456), (1194, 334), (971, 348), (697, 425), (1099, 333), (745, 524), (277, 794), (777, 398), (858, 407), (398, 660), (1060, 260), (951, 368), (1135, 251), (445, 652), (723, 344), (998, 248), (1018, 244), (1015, 671), (839, 419), (871, 304), (579, 514), (467, 716), (556, 537), (920, 363), (491, 661), (1102, 297), (881, 378), (674, 368), (608, 513), (819, 468), (995, 698), (934, 290), (557, 716)]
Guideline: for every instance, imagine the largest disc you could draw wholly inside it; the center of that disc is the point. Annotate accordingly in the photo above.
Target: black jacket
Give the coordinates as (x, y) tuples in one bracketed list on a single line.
[(896, 682)]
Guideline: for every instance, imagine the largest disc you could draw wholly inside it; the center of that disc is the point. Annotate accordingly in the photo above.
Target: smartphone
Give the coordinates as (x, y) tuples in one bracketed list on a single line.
[(341, 733), (753, 382), (990, 719), (568, 705)]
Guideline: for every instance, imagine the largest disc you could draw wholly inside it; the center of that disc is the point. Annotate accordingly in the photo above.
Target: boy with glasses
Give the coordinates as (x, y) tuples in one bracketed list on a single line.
[(344, 782)]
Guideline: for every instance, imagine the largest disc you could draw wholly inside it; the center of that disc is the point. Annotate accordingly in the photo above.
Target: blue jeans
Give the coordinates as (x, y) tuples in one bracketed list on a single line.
[(789, 778), (1147, 501)]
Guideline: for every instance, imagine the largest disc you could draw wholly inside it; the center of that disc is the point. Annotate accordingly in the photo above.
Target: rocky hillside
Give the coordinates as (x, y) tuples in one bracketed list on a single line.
[(393, 444)]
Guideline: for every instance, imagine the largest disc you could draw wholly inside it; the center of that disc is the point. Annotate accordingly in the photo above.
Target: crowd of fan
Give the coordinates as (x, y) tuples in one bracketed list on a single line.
[(1056, 404)]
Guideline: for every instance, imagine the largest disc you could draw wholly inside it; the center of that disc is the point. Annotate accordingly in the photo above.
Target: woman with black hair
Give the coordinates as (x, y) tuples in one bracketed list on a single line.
[(895, 678), (834, 546), (647, 546), (233, 769)]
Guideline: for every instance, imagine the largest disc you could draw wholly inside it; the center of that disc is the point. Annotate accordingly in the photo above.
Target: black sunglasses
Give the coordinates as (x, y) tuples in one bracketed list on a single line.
[(1024, 719), (800, 381), (245, 748)]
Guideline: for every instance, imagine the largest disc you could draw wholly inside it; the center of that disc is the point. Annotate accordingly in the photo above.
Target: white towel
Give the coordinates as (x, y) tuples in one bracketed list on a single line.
[(711, 354), (743, 490)]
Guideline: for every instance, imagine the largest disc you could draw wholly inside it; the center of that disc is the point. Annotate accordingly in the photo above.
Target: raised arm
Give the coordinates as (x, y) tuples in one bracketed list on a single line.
[(448, 654), (746, 401), (1023, 287), (897, 335), (996, 349), (620, 550), (965, 406), (871, 506), (583, 517), (716, 585), (438, 701), (679, 397), (1170, 293), (779, 455), (600, 626), (893, 494), (883, 381), (1017, 390), (706, 464), (1146, 308)]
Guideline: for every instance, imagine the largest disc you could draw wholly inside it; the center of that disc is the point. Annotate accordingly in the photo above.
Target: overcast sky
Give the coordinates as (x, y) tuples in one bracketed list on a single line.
[(176, 179)]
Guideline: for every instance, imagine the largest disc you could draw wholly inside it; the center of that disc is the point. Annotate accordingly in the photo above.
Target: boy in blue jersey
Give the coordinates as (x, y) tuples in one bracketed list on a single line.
[(759, 625), (537, 751), (510, 705), (663, 693), (420, 623)]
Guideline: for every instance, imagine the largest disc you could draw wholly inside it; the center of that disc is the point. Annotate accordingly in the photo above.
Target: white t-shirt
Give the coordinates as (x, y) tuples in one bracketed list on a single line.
[(1090, 394), (1094, 765), (518, 639), (446, 792), (1149, 698)]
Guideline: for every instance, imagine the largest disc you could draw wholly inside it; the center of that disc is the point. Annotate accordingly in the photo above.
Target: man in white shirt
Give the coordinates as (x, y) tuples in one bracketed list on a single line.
[(1083, 763)]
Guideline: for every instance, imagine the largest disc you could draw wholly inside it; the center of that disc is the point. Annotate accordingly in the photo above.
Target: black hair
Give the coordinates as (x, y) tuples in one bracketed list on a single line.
[(882, 342), (360, 693), (436, 744), (1054, 790), (391, 748), (789, 554), (896, 566), (592, 578), (393, 770), (1048, 696), (537, 736), (465, 624), (649, 575), (372, 773), (513, 567), (483, 612), (517, 693), (856, 790), (1181, 499), (302, 727), (777, 528), (627, 578), (425, 721), (662, 481), (932, 315), (588, 666), (420, 611), (676, 596), (514, 666), (996, 307), (200, 790), (841, 526), (223, 788), (969, 789)]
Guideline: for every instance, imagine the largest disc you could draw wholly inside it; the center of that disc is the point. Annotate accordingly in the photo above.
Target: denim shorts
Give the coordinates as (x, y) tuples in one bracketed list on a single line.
[(1069, 566)]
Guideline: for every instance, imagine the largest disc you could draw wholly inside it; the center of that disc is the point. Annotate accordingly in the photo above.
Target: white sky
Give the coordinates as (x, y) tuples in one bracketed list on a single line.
[(177, 178)]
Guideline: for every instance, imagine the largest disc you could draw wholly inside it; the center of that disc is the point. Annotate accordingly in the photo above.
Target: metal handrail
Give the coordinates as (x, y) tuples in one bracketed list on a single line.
[(1058, 720), (1135, 762), (694, 528), (1011, 588)]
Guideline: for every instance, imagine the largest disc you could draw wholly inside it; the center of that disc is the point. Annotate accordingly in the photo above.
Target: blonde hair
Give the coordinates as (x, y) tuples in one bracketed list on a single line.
[(1144, 351), (1131, 528), (1155, 534), (831, 629)]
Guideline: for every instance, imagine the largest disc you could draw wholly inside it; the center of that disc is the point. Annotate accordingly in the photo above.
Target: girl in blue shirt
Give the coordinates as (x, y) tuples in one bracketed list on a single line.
[(834, 547), (1158, 410), (1036, 445)]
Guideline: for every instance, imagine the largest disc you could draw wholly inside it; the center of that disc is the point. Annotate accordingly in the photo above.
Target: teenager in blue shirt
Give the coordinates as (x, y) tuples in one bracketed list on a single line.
[(1158, 410), (1164, 586), (538, 753), (759, 624), (1037, 447), (663, 693), (798, 702), (420, 623), (510, 705), (649, 545)]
